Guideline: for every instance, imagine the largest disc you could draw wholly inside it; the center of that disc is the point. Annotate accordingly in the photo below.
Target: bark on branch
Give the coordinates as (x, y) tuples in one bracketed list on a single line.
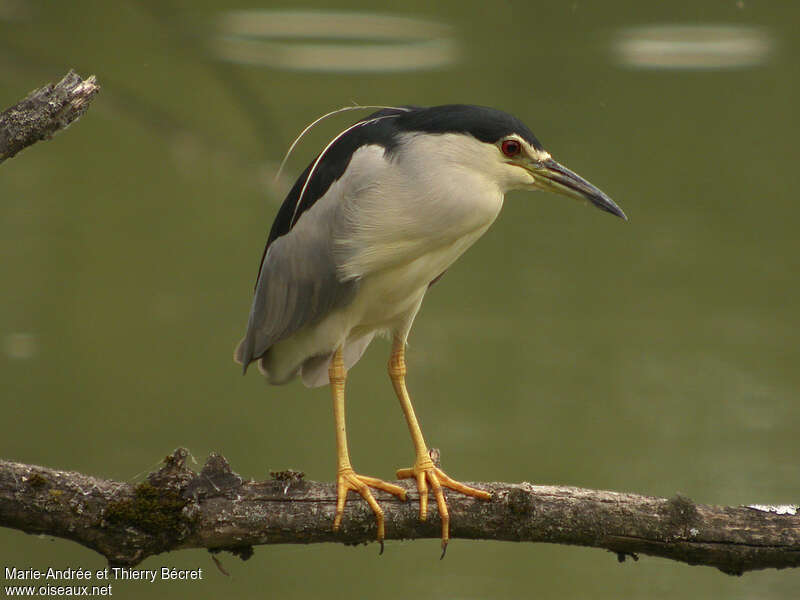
[(44, 112), (216, 509)]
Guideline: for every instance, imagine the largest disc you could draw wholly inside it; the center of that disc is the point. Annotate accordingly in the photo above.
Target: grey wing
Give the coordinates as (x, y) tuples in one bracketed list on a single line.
[(298, 284)]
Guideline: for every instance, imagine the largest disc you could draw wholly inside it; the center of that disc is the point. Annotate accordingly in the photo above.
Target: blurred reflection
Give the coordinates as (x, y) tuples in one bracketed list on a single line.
[(692, 46), (15, 10), (333, 41), (20, 345)]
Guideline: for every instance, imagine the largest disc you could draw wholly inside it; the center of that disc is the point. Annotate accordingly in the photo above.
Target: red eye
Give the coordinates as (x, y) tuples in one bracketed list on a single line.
[(510, 147)]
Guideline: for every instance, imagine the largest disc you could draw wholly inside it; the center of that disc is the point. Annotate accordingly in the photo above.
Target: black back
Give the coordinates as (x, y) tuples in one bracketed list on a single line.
[(331, 168)]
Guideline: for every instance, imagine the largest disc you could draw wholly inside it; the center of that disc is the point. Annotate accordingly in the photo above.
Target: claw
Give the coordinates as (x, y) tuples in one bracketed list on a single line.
[(349, 480), (426, 473)]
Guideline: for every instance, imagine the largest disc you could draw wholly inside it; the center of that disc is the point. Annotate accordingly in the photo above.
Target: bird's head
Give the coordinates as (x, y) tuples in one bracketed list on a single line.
[(534, 169), (502, 148)]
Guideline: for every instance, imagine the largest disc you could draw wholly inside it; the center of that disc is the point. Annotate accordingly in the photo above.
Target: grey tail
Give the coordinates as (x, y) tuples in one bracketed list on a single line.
[(242, 355)]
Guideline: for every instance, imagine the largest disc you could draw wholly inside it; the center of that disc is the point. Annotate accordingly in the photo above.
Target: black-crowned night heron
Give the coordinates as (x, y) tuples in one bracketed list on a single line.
[(381, 213)]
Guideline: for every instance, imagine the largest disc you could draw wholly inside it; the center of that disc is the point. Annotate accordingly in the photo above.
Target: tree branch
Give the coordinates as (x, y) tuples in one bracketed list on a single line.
[(177, 508), (44, 112)]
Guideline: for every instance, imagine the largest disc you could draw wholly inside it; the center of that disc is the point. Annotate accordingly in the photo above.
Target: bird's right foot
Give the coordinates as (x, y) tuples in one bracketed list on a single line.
[(347, 480)]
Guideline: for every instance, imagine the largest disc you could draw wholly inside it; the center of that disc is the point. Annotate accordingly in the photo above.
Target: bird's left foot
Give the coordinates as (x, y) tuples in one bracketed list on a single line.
[(428, 474)]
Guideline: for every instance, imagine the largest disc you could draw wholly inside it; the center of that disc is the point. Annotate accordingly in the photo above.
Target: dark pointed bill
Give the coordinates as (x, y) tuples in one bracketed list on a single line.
[(557, 178)]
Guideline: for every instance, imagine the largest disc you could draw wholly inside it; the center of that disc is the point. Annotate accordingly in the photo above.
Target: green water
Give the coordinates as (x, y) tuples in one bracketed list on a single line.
[(655, 356)]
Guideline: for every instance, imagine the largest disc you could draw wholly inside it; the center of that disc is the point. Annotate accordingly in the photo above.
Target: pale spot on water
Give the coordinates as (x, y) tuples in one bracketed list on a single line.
[(20, 345)]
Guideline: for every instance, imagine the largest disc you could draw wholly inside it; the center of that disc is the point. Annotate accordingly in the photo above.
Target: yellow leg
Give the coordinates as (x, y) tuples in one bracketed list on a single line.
[(424, 471), (347, 479)]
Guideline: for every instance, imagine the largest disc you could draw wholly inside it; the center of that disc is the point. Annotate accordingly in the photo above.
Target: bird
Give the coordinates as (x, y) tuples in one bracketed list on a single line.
[(375, 219)]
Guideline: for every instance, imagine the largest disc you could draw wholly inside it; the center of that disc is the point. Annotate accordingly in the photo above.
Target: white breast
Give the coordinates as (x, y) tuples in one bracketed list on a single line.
[(412, 217), (424, 205)]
